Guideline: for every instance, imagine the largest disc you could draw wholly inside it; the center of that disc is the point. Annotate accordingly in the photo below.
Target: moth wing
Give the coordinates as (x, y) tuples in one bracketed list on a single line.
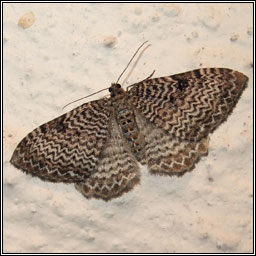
[(166, 154), (189, 105), (66, 149), (117, 169)]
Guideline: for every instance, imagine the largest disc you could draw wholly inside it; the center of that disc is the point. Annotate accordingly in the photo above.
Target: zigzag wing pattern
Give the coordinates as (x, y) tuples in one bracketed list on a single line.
[(163, 122), (189, 105), (169, 155), (66, 149), (117, 169)]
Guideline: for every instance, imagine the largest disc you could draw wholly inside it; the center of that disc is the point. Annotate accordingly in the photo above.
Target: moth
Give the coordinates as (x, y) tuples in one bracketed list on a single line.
[(161, 122)]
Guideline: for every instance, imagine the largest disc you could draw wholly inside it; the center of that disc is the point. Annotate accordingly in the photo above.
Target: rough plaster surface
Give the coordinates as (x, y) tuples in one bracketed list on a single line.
[(72, 50)]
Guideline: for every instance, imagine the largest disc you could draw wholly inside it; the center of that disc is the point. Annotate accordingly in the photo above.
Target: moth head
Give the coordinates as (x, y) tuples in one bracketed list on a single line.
[(116, 89)]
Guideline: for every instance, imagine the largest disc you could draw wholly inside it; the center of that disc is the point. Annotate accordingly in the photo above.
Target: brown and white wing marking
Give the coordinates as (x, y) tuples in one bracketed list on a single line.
[(189, 105), (117, 169), (166, 154), (92, 145), (66, 149)]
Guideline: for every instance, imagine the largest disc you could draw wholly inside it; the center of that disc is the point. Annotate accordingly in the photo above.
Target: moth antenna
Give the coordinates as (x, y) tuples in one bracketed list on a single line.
[(131, 85), (130, 61), (116, 81), (85, 97)]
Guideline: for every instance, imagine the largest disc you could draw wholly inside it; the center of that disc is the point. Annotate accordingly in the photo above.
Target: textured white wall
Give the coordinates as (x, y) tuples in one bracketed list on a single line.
[(66, 54)]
